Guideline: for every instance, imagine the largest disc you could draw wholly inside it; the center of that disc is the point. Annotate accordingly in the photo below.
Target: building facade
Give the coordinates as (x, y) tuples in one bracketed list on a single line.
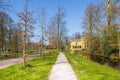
[(77, 45)]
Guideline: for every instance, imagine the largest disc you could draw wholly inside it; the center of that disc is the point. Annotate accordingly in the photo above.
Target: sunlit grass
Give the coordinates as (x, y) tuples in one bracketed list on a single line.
[(88, 70), (37, 69)]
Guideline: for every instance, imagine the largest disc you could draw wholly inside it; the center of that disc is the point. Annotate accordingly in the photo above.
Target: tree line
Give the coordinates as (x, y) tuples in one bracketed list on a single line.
[(101, 24)]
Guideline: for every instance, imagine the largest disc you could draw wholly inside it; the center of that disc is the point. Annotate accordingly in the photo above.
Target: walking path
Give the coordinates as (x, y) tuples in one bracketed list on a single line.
[(62, 70), (7, 63)]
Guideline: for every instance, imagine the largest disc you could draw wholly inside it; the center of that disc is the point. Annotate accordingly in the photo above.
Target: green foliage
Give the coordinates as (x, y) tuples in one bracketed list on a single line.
[(37, 69), (77, 51), (104, 42), (88, 70)]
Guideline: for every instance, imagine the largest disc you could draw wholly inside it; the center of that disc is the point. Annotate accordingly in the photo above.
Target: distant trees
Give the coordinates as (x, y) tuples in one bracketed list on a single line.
[(76, 36), (43, 25), (61, 26), (3, 21), (2, 30), (57, 30), (52, 33), (6, 32)]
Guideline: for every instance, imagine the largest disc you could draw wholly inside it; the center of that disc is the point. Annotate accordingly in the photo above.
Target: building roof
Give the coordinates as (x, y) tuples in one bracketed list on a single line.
[(76, 40)]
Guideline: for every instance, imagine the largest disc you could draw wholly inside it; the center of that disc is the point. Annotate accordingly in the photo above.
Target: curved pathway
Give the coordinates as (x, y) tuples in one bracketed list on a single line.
[(62, 70), (10, 62)]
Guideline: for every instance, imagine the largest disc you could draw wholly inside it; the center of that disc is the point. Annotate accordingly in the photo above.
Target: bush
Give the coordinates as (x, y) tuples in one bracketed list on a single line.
[(77, 51)]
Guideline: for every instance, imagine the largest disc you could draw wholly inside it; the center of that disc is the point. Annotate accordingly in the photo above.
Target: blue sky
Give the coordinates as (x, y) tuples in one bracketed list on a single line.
[(74, 10)]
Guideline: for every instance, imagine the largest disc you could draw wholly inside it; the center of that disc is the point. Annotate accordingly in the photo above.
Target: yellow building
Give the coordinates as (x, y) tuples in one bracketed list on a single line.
[(77, 45)]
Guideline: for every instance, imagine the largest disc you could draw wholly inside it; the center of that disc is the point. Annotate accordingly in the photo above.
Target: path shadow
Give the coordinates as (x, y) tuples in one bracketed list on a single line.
[(46, 64)]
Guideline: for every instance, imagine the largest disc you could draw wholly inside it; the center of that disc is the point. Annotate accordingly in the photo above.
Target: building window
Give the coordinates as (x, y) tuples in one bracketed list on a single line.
[(74, 46), (76, 43), (79, 46)]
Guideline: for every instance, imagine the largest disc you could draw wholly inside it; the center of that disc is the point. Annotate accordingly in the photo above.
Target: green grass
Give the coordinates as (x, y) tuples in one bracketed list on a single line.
[(88, 70), (37, 69)]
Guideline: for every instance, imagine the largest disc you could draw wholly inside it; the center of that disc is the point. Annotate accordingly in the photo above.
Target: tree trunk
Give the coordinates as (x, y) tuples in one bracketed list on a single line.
[(119, 50), (24, 49)]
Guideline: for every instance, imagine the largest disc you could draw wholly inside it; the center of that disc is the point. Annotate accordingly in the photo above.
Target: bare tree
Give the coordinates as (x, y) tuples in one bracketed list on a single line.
[(56, 29), (77, 35), (52, 33), (88, 23), (61, 26), (4, 21), (43, 28), (2, 34), (27, 28)]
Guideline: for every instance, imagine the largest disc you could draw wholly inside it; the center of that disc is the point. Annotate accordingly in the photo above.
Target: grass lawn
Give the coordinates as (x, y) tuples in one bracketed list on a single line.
[(37, 69), (88, 70)]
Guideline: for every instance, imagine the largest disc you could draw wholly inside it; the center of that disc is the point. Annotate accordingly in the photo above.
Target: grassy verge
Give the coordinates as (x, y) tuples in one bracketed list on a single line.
[(37, 69), (88, 70)]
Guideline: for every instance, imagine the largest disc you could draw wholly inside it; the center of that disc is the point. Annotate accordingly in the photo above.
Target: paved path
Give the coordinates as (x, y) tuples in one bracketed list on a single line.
[(62, 70), (6, 63)]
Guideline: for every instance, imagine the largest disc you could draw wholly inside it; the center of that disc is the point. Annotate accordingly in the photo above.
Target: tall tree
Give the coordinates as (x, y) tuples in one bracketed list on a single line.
[(27, 28), (61, 26), (88, 23), (2, 33), (9, 33), (4, 21), (57, 30), (52, 33), (42, 28)]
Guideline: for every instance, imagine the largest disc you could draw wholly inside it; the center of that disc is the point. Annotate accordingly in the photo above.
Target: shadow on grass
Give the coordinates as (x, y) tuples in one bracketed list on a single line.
[(29, 65), (46, 64)]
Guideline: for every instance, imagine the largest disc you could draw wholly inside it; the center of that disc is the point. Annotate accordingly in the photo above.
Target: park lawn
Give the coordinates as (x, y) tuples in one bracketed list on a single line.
[(37, 69), (88, 70)]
